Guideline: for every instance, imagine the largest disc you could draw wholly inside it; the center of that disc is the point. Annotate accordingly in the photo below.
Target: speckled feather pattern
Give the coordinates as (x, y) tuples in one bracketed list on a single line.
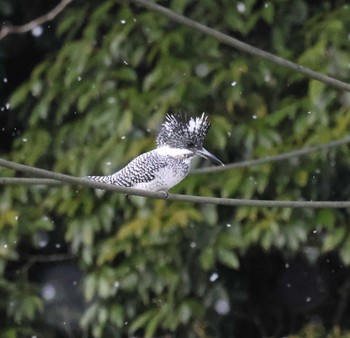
[(149, 171), (168, 164)]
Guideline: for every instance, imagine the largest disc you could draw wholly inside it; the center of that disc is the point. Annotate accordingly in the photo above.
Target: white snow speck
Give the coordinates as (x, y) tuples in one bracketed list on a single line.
[(202, 70), (48, 291), (37, 31), (214, 276), (222, 306), (241, 7), (267, 77)]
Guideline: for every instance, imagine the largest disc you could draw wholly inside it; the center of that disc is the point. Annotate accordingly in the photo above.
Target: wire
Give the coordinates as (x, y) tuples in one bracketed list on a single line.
[(159, 195), (230, 41), (275, 158)]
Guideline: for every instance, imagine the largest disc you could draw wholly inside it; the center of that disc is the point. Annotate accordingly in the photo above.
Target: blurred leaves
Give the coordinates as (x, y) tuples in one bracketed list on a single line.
[(96, 102)]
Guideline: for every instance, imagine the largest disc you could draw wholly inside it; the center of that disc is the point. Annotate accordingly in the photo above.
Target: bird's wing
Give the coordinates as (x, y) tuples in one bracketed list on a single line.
[(141, 169)]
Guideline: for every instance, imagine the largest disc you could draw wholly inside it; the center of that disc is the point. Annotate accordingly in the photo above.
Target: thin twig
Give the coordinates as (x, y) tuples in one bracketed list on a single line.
[(49, 258), (275, 158), (28, 181), (6, 30), (33, 259), (172, 197), (230, 41)]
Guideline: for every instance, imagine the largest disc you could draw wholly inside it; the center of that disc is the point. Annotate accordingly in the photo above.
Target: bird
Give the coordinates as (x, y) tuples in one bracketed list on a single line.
[(179, 140)]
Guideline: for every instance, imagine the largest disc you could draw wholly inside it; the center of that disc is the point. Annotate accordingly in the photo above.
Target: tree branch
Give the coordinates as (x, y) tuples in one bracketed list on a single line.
[(172, 197), (50, 258), (275, 158), (244, 47), (6, 30)]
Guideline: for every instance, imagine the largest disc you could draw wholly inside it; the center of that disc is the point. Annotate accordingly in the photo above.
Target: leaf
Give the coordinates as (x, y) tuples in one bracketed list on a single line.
[(142, 320), (327, 218), (154, 322), (20, 95), (117, 315), (190, 308), (228, 258), (333, 239), (268, 12), (301, 178), (90, 284), (232, 184), (8, 217), (89, 315), (207, 258)]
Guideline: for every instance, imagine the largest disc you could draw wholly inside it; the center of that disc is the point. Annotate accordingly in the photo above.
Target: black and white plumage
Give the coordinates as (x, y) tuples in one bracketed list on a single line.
[(178, 142)]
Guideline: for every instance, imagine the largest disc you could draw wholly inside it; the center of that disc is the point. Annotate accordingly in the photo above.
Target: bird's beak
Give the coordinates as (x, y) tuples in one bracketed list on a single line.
[(209, 156)]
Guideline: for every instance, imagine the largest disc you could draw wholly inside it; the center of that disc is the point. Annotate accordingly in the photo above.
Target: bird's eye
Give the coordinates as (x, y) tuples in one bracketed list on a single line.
[(190, 144)]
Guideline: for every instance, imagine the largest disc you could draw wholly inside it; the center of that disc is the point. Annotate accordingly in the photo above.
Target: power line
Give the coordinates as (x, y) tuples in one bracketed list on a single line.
[(41, 173), (242, 46), (275, 158)]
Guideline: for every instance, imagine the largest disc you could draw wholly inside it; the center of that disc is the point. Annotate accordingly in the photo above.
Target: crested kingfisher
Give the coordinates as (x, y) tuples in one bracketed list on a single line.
[(179, 140)]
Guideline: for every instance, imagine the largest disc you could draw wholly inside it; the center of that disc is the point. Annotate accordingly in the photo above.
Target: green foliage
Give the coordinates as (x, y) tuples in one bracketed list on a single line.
[(88, 109), (315, 331)]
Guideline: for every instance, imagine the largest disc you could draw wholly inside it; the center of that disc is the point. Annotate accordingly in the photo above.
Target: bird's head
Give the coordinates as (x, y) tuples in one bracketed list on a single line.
[(180, 132)]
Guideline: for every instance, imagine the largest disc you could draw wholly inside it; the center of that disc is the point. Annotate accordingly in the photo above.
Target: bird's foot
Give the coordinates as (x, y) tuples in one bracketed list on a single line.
[(165, 193)]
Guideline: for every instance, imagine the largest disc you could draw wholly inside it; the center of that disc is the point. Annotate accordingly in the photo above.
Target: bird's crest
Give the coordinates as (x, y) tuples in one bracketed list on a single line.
[(178, 131)]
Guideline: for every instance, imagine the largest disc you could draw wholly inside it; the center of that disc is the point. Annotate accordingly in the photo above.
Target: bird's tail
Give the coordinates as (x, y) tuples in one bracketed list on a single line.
[(102, 179)]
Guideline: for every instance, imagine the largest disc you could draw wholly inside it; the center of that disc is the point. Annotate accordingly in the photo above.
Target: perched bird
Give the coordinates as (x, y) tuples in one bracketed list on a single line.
[(179, 140)]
